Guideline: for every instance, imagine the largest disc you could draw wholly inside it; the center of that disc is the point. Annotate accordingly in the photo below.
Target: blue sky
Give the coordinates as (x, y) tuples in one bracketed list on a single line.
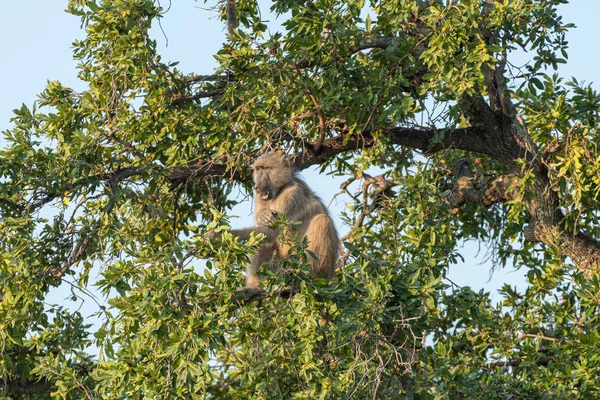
[(36, 37)]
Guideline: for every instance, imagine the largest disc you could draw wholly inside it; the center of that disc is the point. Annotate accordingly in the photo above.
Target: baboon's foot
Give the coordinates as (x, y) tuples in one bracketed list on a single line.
[(287, 291), (250, 293)]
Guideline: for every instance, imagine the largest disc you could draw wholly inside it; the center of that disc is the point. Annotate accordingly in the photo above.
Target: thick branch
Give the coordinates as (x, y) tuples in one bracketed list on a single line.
[(426, 140), (498, 191), (202, 170), (579, 247), (467, 190)]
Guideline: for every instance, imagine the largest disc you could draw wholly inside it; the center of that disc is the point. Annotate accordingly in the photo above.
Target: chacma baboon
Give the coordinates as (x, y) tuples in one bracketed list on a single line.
[(279, 192)]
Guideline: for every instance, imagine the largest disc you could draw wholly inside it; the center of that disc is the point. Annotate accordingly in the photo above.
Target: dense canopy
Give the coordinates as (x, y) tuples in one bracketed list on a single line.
[(441, 133)]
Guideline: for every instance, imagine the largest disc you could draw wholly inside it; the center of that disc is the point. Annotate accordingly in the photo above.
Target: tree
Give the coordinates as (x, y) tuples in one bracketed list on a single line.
[(113, 188)]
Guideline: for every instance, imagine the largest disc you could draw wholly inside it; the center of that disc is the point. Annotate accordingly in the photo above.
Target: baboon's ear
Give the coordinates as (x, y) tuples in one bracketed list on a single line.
[(290, 161)]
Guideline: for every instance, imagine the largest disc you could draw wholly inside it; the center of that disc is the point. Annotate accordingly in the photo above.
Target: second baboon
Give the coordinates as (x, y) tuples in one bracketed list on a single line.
[(279, 192)]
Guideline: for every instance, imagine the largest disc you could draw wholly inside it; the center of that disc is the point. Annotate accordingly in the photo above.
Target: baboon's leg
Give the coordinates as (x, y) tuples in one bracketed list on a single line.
[(264, 254), (322, 242)]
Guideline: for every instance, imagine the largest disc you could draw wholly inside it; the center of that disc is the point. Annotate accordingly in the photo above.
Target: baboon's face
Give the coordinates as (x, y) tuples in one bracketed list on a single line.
[(270, 174)]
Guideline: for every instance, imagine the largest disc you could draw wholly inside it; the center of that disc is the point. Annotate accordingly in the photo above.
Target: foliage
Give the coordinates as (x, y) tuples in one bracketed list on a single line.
[(112, 189)]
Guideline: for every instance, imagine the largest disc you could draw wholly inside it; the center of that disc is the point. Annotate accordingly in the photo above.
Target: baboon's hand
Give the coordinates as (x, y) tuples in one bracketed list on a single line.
[(266, 217)]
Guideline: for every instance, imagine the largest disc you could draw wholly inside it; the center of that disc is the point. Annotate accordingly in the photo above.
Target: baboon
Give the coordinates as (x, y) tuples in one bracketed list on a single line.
[(279, 192)]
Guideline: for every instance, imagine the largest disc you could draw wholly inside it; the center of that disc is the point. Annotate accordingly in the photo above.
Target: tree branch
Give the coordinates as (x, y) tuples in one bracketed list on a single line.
[(202, 170), (12, 204), (515, 363), (17, 387), (373, 42), (227, 77), (426, 140), (198, 96), (119, 175), (380, 186), (467, 190)]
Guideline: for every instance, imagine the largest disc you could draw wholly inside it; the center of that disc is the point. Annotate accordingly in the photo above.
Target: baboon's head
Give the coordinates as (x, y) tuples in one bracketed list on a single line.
[(270, 174)]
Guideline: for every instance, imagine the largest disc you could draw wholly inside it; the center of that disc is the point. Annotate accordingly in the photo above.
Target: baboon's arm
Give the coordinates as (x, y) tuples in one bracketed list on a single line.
[(291, 202), (295, 202), (263, 225)]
